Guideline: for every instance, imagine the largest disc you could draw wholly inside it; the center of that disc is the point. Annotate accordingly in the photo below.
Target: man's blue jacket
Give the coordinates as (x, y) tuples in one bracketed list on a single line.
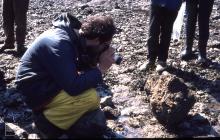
[(50, 65), (169, 4)]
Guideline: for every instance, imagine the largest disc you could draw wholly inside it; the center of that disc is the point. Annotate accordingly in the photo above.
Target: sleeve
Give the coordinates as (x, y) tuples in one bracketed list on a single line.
[(60, 65)]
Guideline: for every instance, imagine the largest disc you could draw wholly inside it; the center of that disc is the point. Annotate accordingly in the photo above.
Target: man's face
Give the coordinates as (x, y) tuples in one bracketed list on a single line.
[(97, 48)]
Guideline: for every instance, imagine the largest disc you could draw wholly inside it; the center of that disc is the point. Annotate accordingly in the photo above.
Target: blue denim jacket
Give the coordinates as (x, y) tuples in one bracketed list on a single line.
[(170, 4)]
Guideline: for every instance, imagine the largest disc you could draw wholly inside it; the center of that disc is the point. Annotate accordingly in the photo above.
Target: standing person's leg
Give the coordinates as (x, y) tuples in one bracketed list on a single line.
[(2, 81), (191, 18), (20, 9), (205, 9), (154, 31), (8, 24), (166, 31), (165, 37)]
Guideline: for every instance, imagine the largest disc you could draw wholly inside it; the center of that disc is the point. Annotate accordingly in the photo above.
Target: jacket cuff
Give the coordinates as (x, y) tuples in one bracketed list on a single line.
[(98, 76)]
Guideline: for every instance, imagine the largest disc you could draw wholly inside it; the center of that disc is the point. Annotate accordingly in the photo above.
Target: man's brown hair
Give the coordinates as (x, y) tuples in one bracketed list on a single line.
[(98, 26)]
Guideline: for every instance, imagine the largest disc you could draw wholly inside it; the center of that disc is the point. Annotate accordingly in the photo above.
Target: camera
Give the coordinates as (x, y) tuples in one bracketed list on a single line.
[(118, 59)]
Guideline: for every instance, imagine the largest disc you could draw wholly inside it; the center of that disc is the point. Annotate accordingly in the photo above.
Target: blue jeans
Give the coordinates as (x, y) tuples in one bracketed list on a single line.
[(201, 10), (161, 25)]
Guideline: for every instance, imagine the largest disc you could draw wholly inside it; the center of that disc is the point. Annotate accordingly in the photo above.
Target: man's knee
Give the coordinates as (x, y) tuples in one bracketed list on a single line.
[(42, 125)]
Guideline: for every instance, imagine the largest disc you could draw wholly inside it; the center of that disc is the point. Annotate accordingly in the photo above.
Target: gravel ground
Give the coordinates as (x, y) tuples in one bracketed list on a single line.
[(130, 115)]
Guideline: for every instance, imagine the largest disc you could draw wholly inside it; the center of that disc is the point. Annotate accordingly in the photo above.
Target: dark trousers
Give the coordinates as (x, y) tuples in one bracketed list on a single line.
[(90, 125), (15, 12), (161, 25), (2, 81), (45, 128), (200, 9)]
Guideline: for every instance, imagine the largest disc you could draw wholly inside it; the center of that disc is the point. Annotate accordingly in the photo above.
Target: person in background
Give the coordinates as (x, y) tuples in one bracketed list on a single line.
[(2, 81), (14, 12), (197, 10), (59, 72), (162, 16)]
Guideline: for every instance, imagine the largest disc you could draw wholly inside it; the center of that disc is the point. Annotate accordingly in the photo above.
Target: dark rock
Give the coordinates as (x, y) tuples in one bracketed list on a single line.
[(24, 135), (87, 11), (106, 101), (200, 120), (110, 113), (170, 100), (84, 6), (117, 6)]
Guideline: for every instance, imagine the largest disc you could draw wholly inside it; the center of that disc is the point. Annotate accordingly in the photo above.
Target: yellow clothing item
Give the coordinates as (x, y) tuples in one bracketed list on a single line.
[(65, 110)]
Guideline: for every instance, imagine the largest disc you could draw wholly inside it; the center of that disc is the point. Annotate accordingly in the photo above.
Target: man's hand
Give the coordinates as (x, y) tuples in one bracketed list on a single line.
[(106, 60)]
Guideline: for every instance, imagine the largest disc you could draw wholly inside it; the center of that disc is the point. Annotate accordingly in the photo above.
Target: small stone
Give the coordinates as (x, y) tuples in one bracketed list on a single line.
[(134, 123), (183, 64), (24, 135), (33, 136), (200, 92), (143, 67), (127, 111), (84, 6), (110, 113), (106, 101)]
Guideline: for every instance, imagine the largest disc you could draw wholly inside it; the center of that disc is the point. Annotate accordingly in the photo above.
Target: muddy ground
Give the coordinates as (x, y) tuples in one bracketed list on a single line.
[(131, 115)]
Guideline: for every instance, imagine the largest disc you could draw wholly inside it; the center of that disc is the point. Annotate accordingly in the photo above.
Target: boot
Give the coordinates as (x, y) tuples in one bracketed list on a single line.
[(161, 66), (6, 46), (150, 65), (186, 53), (21, 50), (202, 58)]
